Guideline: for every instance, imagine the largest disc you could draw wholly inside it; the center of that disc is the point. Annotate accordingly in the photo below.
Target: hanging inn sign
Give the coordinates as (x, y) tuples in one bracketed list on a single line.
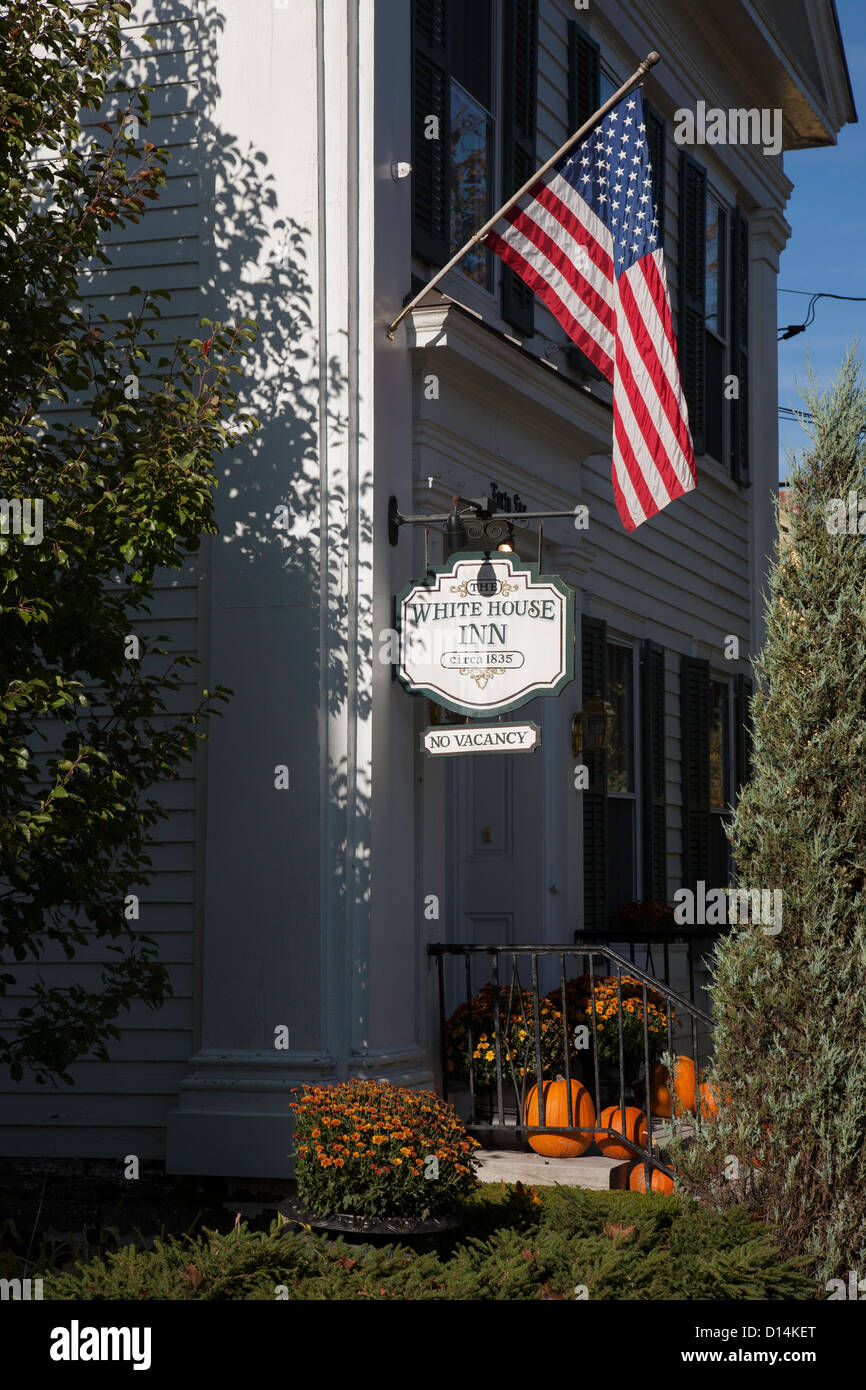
[(481, 636)]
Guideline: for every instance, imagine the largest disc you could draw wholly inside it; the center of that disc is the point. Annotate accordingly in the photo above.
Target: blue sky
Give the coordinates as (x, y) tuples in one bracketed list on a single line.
[(827, 249)]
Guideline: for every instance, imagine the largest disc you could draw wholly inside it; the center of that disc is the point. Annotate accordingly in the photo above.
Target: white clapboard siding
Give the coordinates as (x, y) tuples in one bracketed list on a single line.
[(121, 1105)]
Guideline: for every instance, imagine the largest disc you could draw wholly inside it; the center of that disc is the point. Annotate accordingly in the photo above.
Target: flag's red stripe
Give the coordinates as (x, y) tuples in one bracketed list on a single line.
[(625, 515), (645, 343), (578, 334), (557, 255), (633, 468), (576, 229), (643, 420), (659, 293)]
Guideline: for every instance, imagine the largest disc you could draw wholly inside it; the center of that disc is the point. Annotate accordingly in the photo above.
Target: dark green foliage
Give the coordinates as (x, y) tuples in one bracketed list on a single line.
[(119, 449), (790, 1008), (516, 1245)]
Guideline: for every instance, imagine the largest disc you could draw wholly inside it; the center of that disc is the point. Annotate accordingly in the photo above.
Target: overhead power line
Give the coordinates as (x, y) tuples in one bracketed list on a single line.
[(792, 329)]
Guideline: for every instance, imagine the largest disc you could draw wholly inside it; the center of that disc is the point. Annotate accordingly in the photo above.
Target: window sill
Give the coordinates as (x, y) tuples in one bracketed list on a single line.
[(708, 466)]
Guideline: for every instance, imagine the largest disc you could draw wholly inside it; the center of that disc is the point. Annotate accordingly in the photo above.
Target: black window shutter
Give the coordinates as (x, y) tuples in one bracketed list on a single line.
[(584, 69), (692, 252), (695, 733), (743, 720), (518, 152), (740, 346), (656, 145), (431, 96), (653, 759), (594, 682), (584, 75)]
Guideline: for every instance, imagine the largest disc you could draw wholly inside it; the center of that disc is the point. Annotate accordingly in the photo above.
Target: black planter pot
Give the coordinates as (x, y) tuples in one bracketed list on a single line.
[(345, 1224)]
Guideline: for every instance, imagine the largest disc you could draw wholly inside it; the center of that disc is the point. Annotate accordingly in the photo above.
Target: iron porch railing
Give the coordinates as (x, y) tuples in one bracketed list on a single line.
[(648, 943), (518, 1068)]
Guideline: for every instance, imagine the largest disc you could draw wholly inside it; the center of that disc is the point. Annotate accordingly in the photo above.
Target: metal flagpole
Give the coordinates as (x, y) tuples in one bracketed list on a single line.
[(649, 61)]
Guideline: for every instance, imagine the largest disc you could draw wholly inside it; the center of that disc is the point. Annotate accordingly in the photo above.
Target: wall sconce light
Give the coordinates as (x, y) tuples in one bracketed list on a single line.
[(592, 727)]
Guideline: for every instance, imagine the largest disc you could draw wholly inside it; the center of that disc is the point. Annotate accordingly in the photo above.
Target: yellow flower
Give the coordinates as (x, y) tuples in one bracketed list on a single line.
[(488, 1056)]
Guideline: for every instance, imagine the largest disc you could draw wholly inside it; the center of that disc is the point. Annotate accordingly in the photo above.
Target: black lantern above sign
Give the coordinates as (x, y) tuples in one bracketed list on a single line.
[(592, 727), (471, 527)]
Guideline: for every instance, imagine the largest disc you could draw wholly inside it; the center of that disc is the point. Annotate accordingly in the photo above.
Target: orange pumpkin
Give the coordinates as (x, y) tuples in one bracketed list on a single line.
[(659, 1182), (684, 1085), (710, 1097), (556, 1113), (634, 1127)]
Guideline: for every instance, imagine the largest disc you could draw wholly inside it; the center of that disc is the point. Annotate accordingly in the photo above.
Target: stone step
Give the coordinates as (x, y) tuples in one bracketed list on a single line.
[(534, 1170)]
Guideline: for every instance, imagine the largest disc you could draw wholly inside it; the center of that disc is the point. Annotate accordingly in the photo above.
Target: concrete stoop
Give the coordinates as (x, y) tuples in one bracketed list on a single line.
[(534, 1170), (510, 1164)]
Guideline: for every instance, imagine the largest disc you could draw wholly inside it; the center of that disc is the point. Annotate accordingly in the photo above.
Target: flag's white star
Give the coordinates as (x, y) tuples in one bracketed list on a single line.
[(652, 236), (628, 120), (632, 104), (613, 116), (644, 197), (615, 205), (618, 186), (641, 127), (635, 246)]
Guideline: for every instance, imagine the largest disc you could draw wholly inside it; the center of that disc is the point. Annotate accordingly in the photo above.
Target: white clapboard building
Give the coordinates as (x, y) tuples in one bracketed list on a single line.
[(295, 919)]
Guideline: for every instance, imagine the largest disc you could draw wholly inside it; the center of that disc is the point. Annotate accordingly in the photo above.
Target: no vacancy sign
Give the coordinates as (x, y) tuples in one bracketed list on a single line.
[(485, 634), (481, 738)]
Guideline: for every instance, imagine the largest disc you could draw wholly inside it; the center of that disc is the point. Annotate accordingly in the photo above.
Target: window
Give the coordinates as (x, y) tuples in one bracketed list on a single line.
[(712, 314), (472, 134), (622, 801), (474, 89)]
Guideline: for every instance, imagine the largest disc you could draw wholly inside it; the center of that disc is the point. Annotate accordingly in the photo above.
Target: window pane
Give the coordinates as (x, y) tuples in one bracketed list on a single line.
[(471, 51), (715, 273), (620, 763), (606, 87), (719, 754), (620, 855), (471, 152), (714, 397)]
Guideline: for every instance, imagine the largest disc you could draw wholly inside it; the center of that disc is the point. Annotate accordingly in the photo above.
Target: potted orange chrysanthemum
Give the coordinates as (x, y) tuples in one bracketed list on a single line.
[(375, 1157)]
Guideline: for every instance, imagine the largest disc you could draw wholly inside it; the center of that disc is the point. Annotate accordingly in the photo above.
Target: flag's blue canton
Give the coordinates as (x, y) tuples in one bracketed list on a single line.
[(611, 170)]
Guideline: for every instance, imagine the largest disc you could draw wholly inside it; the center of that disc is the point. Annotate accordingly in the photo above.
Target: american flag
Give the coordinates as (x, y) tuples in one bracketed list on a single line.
[(584, 238)]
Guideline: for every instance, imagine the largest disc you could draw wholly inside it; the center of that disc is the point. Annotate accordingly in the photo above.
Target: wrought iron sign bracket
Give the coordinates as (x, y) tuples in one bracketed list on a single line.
[(465, 511)]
